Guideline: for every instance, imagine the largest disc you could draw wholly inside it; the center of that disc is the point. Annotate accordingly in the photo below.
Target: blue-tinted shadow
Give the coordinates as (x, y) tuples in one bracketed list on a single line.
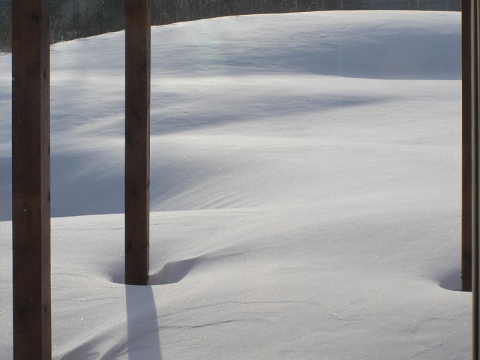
[(143, 341)]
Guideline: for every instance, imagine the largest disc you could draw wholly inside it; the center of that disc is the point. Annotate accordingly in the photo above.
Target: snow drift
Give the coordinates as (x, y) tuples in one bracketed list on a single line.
[(305, 191)]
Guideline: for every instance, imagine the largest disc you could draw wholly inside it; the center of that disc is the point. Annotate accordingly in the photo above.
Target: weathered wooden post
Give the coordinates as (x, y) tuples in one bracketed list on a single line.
[(137, 140), (467, 134), (31, 179)]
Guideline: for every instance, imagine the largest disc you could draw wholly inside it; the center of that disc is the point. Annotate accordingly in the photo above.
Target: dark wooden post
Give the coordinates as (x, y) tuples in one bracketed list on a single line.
[(467, 134), (475, 36), (31, 179), (137, 140)]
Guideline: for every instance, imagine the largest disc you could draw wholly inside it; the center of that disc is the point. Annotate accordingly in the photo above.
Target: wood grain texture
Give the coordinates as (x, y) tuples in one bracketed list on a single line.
[(137, 140), (31, 179)]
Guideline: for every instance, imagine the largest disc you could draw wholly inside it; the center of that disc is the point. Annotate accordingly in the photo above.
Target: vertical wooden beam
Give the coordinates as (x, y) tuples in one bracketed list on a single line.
[(137, 140), (31, 179), (467, 161), (475, 36)]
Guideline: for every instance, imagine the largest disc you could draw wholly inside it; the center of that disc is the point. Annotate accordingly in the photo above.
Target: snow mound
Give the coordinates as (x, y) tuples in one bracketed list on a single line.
[(215, 72), (383, 44), (305, 192)]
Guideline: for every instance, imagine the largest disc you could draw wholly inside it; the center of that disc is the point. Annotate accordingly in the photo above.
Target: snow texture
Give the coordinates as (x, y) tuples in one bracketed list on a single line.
[(305, 192)]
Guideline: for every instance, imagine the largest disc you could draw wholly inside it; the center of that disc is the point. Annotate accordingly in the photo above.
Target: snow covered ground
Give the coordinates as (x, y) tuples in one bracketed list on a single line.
[(305, 192)]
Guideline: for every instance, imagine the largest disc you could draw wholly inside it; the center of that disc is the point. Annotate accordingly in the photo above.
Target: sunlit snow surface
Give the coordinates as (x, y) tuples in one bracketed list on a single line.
[(305, 192)]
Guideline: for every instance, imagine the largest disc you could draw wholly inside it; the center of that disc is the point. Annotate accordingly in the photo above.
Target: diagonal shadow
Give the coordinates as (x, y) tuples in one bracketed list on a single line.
[(142, 328)]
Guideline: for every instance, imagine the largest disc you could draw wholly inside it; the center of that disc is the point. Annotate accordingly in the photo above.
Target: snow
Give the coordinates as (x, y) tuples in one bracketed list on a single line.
[(305, 192)]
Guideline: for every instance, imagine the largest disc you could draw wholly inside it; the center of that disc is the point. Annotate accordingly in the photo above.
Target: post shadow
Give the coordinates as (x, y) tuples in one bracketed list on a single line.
[(142, 321)]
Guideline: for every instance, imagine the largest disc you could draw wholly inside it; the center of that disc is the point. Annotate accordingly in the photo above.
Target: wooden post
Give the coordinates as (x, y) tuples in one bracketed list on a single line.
[(137, 140), (475, 36), (31, 179), (467, 161)]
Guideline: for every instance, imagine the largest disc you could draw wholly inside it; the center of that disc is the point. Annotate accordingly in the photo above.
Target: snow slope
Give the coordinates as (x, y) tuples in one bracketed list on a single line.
[(305, 192)]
